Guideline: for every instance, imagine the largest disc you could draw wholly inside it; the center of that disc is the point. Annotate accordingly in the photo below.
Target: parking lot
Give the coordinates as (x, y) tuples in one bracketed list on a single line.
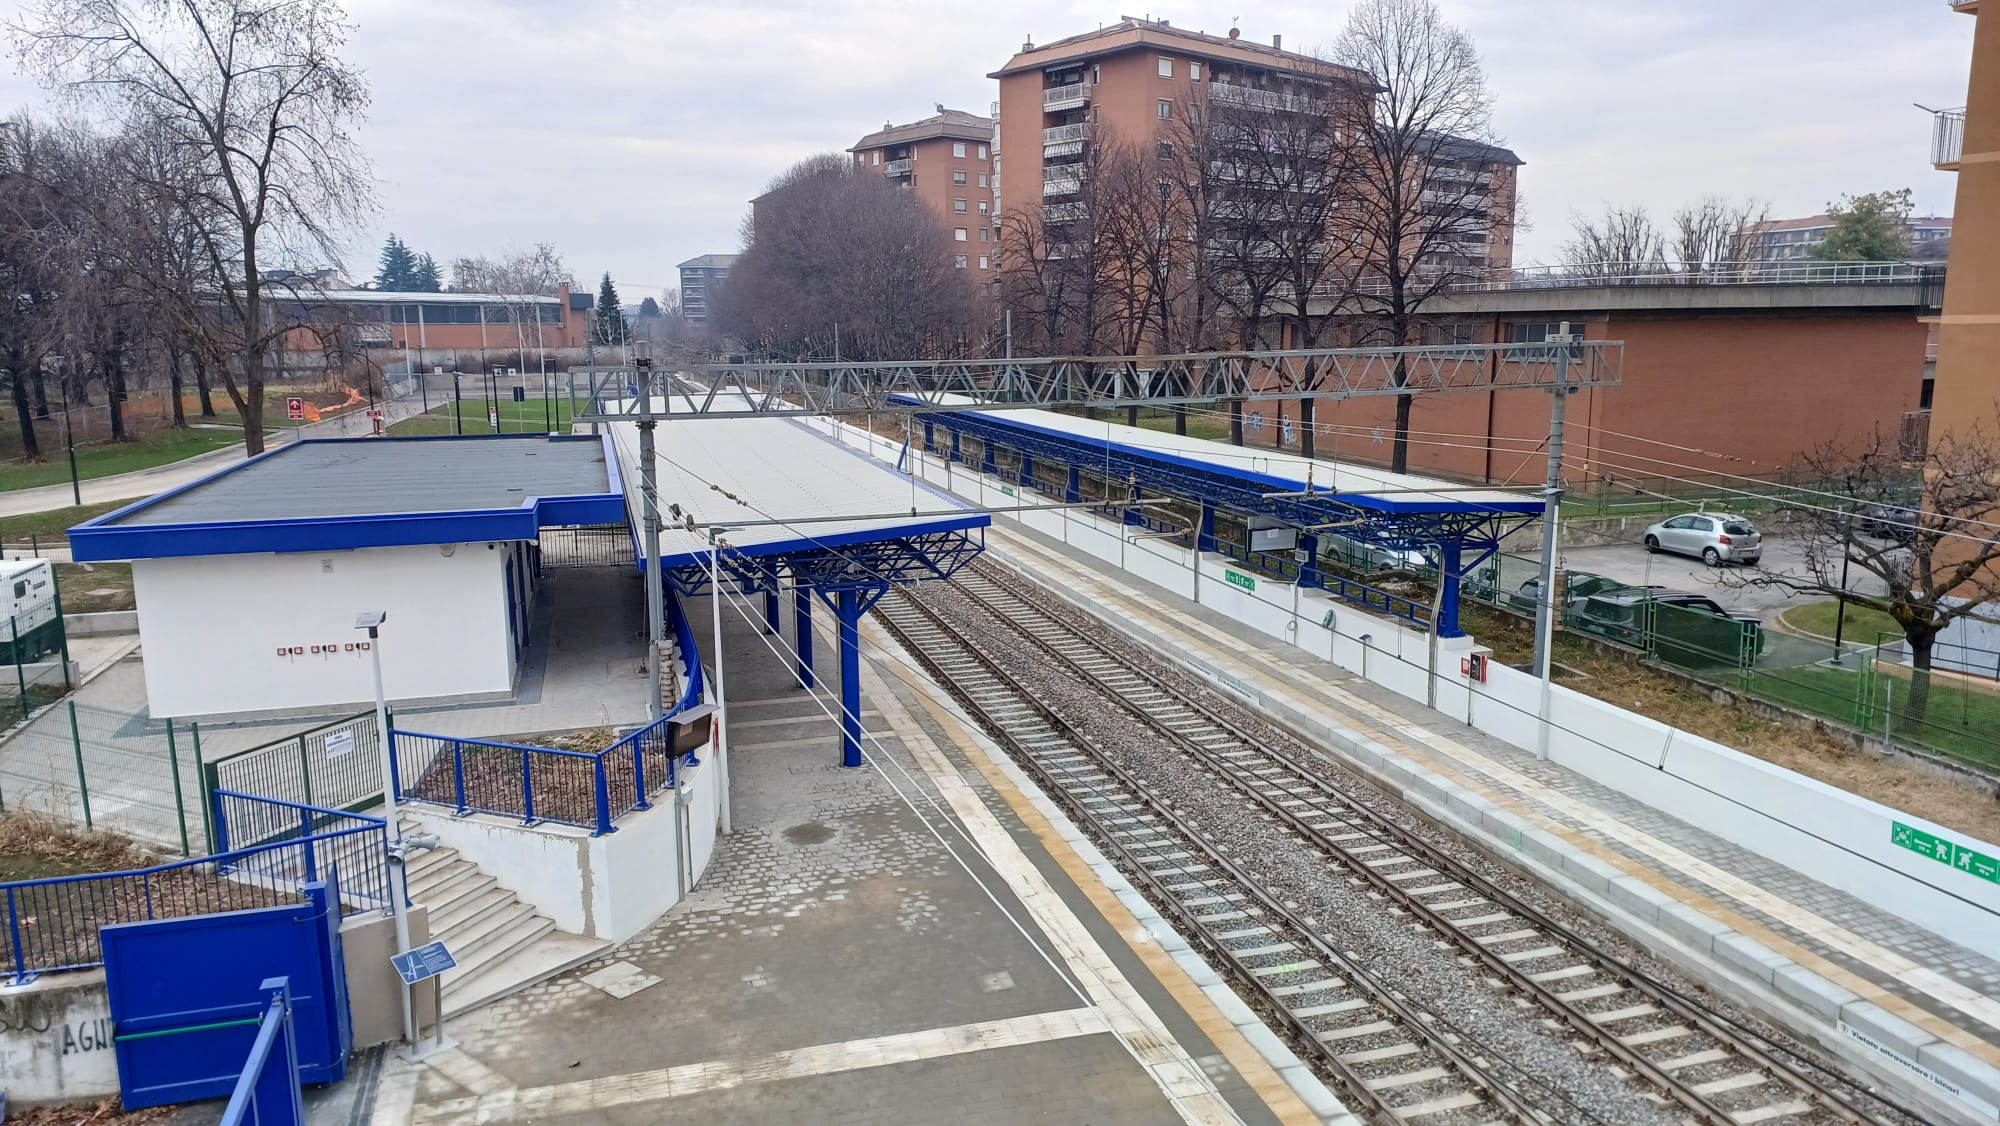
[(1630, 563)]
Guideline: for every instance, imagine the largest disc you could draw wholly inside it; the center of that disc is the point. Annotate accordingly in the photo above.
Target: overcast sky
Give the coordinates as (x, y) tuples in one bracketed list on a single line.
[(632, 133)]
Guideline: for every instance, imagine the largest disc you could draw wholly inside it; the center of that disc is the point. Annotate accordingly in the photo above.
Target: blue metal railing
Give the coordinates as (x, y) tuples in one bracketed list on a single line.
[(267, 1093), (1372, 598), (52, 923), (587, 789)]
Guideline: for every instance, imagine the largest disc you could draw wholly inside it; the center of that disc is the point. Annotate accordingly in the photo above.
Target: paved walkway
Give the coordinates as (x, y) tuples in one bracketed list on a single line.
[(910, 943), (1949, 991)]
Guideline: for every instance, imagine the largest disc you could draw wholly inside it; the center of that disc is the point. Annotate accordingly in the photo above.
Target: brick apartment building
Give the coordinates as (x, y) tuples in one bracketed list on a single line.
[(1146, 81), (701, 286), (946, 160), (457, 331)]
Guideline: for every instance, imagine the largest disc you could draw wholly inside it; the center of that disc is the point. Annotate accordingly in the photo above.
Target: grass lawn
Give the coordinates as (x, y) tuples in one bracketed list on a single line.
[(1198, 426), (1862, 624), (528, 417), (53, 526), (111, 458), (92, 588)]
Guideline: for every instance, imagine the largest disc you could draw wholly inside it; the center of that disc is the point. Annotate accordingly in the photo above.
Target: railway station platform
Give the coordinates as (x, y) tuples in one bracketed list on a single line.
[(1865, 984), (919, 940)]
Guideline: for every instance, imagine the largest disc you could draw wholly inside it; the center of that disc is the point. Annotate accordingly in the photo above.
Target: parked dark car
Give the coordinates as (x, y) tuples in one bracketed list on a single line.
[(1893, 522), (1575, 590), (1687, 629)]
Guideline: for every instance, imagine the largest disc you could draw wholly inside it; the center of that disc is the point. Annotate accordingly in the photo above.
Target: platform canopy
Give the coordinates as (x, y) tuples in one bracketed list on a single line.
[(792, 506), (1458, 526), (351, 493)]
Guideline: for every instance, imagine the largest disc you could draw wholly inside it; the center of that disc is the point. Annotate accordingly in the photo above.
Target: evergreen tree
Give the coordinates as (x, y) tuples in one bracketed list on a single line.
[(425, 277), (1867, 228), (610, 327), (649, 308), (396, 273)]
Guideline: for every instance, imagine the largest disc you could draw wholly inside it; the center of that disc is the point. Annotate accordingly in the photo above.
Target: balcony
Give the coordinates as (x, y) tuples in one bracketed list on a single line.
[(1065, 133), (1948, 139), (1076, 95), (1063, 212), (897, 167), (1247, 97), (1069, 181)]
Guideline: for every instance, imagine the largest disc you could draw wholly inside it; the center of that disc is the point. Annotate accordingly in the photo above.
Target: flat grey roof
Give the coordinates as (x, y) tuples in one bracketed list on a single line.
[(385, 476)]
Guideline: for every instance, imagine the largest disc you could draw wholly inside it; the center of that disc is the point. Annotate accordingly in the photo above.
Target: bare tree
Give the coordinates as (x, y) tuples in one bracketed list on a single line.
[(255, 94), (1426, 207), (835, 253), (1715, 235), (1935, 557), (1055, 258), (1620, 243)]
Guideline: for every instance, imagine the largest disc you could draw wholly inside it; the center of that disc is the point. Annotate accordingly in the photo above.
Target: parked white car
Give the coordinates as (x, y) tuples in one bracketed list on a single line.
[(1714, 538)]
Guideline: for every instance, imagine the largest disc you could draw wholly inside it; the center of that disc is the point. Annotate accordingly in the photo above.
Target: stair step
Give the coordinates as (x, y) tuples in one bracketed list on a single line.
[(495, 956), (468, 910), (471, 942), (450, 886), (428, 859)]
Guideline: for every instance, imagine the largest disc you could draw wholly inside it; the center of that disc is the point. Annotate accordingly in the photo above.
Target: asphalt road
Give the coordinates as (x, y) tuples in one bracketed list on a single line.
[(1632, 564)]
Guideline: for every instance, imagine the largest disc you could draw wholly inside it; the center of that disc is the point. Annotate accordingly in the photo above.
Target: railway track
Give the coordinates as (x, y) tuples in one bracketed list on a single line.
[(1404, 1062)]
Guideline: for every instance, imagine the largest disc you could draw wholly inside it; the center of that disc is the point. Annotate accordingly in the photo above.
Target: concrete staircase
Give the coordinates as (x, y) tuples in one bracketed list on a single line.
[(502, 944)]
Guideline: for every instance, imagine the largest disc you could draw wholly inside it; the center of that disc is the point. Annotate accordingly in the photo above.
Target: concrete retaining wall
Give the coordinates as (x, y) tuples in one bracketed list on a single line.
[(1836, 837), (101, 624)]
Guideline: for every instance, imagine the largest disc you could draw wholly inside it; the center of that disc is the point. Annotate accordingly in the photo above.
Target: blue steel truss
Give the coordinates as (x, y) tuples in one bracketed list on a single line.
[(1459, 536)]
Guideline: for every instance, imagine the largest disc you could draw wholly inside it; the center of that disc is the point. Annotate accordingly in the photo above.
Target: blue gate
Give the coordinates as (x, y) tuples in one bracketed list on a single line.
[(188, 995)]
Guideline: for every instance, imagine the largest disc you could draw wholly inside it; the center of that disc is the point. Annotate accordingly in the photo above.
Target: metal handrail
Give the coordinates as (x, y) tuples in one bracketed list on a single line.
[(1060, 134), (1075, 91), (105, 898), (1585, 276)]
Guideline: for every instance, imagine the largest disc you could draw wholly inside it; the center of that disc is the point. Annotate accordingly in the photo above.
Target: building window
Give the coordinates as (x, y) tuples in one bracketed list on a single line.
[(982, 179), (983, 262), (958, 205), (958, 177), (877, 154), (1194, 72), (958, 233), (1164, 150), (1165, 189), (1194, 111), (1096, 75), (1166, 109), (982, 207), (982, 234), (982, 152), (1166, 67), (958, 148), (958, 260)]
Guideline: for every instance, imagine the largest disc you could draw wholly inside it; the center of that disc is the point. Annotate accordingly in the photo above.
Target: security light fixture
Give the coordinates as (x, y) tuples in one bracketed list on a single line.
[(370, 619)]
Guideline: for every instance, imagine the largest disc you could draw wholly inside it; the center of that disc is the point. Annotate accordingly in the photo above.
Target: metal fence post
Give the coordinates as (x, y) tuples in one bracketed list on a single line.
[(14, 930), (305, 770), (82, 781), (207, 788), (180, 805), (62, 635), (603, 800), (306, 842), (527, 787), (458, 774), (639, 770)]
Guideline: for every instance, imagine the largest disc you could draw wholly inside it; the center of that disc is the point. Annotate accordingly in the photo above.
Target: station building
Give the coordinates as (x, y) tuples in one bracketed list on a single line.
[(248, 580)]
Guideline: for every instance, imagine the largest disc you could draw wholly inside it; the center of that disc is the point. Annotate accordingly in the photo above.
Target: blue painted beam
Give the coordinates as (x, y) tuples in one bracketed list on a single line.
[(802, 614), (851, 610)]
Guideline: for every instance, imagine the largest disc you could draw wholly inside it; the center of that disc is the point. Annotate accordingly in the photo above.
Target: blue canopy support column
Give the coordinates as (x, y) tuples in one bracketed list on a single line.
[(1074, 493), (850, 609), (1205, 539), (772, 626), (1309, 574), (955, 456), (802, 620), (930, 436), (1450, 569), (1027, 469)]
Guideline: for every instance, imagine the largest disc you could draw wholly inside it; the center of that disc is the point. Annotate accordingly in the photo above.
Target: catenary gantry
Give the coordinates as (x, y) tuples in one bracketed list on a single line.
[(766, 505), (1456, 527)]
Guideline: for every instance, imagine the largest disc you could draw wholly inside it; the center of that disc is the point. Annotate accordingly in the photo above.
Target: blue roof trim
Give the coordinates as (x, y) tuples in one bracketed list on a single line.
[(1261, 480), (103, 539), (805, 544)]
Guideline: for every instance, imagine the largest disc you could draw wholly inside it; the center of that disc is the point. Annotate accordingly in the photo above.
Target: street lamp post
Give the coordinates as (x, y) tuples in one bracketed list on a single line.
[(371, 620), (649, 516), (721, 717)]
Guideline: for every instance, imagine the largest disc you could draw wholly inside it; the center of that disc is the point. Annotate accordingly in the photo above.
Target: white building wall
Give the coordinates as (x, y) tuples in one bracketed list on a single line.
[(211, 627)]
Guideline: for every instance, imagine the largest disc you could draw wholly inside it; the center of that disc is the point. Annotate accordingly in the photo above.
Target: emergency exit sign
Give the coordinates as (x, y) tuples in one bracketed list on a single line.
[(1238, 578), (1945, 851)]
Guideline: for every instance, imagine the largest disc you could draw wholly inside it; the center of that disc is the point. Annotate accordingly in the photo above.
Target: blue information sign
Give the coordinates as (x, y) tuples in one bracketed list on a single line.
[(423, 963)]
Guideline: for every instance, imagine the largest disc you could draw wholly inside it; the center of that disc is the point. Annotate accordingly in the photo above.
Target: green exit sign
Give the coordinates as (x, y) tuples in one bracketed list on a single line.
[(1008, 489), (1238, 578), (1945, 851)]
